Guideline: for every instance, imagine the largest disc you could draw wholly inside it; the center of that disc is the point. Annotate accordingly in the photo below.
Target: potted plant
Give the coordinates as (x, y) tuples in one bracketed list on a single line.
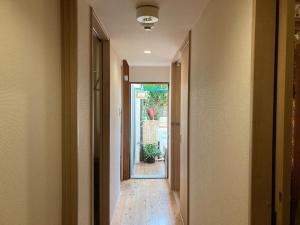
[(151, 151)]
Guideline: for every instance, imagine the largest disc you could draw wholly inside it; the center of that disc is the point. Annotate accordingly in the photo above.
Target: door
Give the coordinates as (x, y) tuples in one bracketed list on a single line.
[(97, 79), (175, 127), (125, 122), (184, 134)]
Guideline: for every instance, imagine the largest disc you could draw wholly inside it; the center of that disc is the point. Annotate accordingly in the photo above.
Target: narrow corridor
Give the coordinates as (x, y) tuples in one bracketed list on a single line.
[(147, 202)]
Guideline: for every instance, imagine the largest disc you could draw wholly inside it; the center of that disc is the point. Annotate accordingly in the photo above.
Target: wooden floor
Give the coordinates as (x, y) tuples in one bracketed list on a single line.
[(146, 170), (146, 202)]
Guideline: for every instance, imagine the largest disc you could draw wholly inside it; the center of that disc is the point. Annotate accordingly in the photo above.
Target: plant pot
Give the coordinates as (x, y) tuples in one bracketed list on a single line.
[(150, 160)]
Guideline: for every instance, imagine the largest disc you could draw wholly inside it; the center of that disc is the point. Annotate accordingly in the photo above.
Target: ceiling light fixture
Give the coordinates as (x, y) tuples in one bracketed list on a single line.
[(147, 52), (147, 16)]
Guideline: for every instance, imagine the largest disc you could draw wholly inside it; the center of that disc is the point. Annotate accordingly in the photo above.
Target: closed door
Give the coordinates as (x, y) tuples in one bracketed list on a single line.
[(175, 127)]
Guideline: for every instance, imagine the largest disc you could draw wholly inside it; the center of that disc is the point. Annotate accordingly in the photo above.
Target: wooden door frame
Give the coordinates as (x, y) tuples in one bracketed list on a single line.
[(69, 112), (125, 165), (272, 71), (69, 42), (177, 59), (263, 83), (96, 27), (284, 97), (168, 130), (175, 185)]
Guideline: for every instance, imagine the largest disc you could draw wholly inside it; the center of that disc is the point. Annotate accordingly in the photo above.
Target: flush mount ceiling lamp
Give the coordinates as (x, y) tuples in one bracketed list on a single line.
[(147, 16)]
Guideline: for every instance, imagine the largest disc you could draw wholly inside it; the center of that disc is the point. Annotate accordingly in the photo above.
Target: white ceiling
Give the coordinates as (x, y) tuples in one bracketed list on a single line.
[(130, 40)]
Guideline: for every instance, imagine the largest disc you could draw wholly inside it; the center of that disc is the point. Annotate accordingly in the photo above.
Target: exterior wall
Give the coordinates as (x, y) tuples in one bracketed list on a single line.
[(149, 74), (220, 111), (30, 112)]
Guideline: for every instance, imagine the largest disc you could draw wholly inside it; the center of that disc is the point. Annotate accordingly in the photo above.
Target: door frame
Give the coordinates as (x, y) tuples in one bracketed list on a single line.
[(177, 59), (104, 152), (262, 94), (69, 68), (272, 74), (125, 153), (168, 130), (69, 59), (284, 98), (175, 159)]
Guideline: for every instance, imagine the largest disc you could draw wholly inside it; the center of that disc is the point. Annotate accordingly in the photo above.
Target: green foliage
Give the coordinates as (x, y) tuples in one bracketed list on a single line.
[(156, 99), (151, 151)]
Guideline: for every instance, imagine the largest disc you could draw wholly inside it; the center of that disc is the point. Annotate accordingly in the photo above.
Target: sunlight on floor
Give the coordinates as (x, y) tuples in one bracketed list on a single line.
[(146, 202), (150, 170)]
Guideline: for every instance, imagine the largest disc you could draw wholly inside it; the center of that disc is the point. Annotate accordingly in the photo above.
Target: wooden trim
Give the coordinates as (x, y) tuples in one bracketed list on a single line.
[(122, 121), (285, 70), (185, 53), (168, 128), (177, 57), (189, 121), (69, 112), (92, 125), (126, 122), (97, 26), (175, 127), (149, 82), (263, 81), (104, 177), (105, 160)]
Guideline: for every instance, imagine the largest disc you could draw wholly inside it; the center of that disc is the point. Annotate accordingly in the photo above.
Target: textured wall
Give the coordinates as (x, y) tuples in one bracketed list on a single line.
[(220, 114), (149, 73), (30, 112), (115, 129)]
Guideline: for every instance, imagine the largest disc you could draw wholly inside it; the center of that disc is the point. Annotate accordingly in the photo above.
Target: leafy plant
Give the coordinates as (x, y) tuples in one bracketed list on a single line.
[(156, 99), (150, 152)]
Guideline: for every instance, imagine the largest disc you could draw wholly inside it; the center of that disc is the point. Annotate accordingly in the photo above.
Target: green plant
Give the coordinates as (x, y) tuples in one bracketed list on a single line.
[(157, 98), (150, 152)]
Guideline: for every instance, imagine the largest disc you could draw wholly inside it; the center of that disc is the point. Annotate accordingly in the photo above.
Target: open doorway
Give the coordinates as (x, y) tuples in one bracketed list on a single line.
[(149, 130)]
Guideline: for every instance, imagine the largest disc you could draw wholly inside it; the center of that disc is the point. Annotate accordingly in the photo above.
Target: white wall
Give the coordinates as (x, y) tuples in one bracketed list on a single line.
[(220, 114), (149, 73), (115, 129), (30, 113)]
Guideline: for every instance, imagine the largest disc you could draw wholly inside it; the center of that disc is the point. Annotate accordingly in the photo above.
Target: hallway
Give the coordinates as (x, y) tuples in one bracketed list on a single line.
[(209, 121), (147, 202)]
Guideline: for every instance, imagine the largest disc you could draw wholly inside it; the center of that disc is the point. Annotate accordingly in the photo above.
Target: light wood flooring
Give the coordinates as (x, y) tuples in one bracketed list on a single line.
[(146, 202), (149, 170)]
